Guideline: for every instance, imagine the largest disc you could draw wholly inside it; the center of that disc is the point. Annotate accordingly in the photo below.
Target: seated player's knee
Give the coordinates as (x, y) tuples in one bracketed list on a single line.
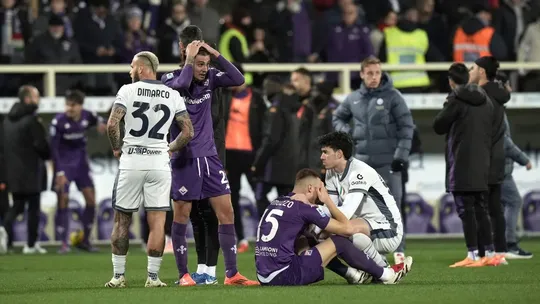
[(181, 212), (362, 225)]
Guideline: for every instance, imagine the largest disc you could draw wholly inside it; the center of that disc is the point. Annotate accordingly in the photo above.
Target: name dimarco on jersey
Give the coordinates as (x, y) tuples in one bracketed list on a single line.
[(153, 93)]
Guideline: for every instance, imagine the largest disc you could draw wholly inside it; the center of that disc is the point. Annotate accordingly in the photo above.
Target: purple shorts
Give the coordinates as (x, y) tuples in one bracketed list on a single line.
[(304, 269), (81, 177), (195, 179)]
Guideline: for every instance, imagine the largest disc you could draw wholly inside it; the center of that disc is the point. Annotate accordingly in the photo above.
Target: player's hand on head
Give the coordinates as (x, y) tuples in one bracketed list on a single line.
[(210, 49), (322, 193), (193, 48)]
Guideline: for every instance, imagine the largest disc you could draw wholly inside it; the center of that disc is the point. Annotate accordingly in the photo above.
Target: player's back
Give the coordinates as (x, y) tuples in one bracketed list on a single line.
[(150, 110), (282, 222)]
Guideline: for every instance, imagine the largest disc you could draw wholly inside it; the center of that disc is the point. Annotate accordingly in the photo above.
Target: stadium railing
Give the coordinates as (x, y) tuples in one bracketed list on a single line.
[(51, 103), (343, 68)]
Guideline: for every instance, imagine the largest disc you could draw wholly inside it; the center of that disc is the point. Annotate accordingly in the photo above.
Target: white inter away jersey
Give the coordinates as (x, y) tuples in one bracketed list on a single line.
[(151, 108), (361, 192)]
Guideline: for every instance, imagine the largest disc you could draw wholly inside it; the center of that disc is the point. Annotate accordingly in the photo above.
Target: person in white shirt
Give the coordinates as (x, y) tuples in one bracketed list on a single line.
[(363, 196), (148, 109)]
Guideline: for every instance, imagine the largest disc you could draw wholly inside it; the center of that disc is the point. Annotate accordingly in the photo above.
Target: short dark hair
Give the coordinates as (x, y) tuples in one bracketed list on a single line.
[(338, 141), (502, 77), (76, 96), (190, 34), (306, 173), (303, 71), (458, 73)]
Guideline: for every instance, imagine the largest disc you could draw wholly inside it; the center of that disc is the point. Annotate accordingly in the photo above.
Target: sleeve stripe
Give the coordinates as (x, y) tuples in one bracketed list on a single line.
[(358, 191), (180, 113), (334, 192), (117, 104)]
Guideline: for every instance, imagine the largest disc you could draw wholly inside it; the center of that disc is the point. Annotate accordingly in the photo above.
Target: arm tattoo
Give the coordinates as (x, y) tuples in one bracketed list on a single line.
[(155, 253), (113, 126), (186, 134), (120, 233)]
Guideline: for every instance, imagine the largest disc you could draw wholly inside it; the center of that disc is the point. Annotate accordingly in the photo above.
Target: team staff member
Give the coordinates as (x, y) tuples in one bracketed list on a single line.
[(244, 117), (466, 120), (483, 73), (382, 128), (26, 148), (276, 161)]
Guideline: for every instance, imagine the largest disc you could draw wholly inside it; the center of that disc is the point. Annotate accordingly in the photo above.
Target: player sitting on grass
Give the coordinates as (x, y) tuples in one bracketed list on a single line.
[(363, 196), (285, 220)]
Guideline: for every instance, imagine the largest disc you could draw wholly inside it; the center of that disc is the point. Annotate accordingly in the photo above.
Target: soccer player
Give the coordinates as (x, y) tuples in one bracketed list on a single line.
[(197, 170), (284, 221), (144, 174), (70, 159), (361, 194)]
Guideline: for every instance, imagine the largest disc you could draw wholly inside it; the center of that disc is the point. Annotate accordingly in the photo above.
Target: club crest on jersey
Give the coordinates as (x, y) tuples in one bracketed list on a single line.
[(308, 252)]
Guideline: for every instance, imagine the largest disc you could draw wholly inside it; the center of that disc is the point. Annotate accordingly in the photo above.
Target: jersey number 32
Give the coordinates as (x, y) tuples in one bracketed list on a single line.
[(269, 217), (142, 107)]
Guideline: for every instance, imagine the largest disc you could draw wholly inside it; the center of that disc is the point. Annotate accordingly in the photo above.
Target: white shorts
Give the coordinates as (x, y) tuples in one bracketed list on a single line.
[(151, 188), (385, 238)]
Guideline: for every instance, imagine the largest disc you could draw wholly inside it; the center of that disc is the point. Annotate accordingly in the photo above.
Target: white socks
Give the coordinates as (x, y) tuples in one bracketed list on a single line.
[(119, 265), (473, 255), (364, 243), (201, 268), (387, 274), (154, 263), (211, 271)]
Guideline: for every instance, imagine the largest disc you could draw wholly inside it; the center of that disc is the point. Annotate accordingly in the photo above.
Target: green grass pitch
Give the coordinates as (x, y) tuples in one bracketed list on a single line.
[(79, 278)]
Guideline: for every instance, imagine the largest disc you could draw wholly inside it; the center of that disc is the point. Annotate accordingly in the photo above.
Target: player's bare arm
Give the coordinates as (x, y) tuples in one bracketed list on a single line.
[(120, 233), (211, 50), (339, 223), (186, 134), (113, 128)]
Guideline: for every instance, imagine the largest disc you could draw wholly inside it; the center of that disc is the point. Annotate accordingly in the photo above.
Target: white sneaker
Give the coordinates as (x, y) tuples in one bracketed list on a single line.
[(154, 283), (3, 240), (29, 250), (399, 257), (357, 277), (400, 270), (116, 283), (40, 249)]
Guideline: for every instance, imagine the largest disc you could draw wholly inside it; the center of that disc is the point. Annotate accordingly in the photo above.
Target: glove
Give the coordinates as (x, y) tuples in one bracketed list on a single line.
[(397, 165)]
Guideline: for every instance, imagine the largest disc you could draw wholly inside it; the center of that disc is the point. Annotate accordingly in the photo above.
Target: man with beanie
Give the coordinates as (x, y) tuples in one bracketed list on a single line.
[(466, 120), (483, 73), (510, 197)]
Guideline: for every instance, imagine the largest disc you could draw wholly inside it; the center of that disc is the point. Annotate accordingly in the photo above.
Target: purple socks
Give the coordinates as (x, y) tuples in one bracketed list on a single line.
[(63, 225), (180, 247), (227, 241), (355, 257)]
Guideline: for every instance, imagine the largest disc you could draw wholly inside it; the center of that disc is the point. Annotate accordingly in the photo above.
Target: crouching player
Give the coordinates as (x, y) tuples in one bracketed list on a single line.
[(285, 220), (363, 197)]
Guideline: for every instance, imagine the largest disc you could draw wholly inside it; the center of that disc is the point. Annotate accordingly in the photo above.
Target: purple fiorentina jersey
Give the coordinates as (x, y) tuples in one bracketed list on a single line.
[(198, 98), (282, 222), (68, 140)]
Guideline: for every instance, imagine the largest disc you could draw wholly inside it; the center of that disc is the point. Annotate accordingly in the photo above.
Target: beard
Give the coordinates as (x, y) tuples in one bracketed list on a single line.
[(136, 77)]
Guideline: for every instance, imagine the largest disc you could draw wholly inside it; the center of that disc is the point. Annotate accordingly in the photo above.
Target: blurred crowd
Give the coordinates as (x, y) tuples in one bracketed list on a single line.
[(263, 31)]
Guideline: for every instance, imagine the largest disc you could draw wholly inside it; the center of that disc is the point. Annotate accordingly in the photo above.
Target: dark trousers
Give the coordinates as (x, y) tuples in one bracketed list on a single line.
[(471, 208), (19, 204), (238, 163), (262, 194), (498, 222), (205, 232), (4, 206)]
